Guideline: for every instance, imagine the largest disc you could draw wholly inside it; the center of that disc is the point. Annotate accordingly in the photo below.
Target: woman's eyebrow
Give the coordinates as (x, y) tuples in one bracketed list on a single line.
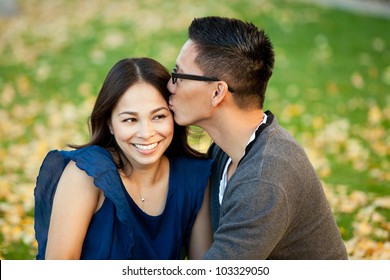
[(159, 109), (136, 114), (128, 113)]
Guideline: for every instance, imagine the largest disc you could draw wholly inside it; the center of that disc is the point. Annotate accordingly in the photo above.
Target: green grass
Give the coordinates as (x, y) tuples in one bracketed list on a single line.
[(332, 75)]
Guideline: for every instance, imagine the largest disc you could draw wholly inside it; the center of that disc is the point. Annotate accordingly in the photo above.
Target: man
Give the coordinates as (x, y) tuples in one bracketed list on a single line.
[(267, 202)]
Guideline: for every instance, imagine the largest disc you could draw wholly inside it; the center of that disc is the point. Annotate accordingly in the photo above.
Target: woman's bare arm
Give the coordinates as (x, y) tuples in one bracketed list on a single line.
[(201, 234), (74, 204)]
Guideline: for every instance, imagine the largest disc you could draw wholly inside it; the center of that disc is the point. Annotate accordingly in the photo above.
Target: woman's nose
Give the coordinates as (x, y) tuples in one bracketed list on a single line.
[(146, 130)]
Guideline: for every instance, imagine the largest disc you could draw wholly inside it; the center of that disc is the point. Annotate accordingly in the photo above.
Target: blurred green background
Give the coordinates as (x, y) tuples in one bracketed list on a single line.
[(330, 89)]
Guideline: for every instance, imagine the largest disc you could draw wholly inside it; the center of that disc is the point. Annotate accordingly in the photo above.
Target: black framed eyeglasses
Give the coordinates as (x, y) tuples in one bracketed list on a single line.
[(176, 76)]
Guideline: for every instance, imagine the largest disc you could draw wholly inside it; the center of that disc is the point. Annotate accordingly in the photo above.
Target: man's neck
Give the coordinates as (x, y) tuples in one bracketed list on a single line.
[(232, 130)]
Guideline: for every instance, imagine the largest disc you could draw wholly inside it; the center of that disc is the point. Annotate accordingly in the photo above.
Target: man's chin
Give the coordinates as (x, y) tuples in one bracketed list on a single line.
[(179, 120)]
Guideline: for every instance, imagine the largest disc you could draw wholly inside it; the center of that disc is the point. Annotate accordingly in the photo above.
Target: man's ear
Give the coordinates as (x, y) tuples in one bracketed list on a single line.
[(220, 93)]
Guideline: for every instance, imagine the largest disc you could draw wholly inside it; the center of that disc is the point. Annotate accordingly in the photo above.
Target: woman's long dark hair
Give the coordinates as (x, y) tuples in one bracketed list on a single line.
[(121, 77)]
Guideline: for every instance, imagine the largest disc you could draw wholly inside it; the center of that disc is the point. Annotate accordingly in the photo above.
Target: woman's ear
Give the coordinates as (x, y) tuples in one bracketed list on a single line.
[(110, 126)]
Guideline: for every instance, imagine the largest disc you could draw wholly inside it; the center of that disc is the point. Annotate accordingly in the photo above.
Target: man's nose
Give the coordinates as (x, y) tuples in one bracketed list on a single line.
[(171, 86)]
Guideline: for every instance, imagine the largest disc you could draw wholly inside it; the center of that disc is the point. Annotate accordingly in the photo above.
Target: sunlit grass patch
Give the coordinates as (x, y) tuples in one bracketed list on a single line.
[(330, 89)]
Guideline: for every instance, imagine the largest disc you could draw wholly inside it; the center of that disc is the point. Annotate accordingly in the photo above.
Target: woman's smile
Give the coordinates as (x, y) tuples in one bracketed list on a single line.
[(146, 147)]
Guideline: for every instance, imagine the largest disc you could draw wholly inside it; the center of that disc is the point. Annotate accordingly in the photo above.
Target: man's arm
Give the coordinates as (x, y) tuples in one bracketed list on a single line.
[(254, 217)]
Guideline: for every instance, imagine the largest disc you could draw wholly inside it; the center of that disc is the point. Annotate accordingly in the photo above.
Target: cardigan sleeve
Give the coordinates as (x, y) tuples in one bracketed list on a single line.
[(253, 220)]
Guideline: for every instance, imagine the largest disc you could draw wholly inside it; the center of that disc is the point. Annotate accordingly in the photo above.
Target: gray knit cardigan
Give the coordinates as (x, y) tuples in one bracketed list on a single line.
[(274, 206)]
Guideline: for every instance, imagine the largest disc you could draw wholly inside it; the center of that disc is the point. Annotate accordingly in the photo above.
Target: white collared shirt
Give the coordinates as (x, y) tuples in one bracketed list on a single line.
[(223, 182)]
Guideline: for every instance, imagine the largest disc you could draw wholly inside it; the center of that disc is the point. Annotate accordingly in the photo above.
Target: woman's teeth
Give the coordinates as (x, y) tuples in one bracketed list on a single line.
[(146, 147)]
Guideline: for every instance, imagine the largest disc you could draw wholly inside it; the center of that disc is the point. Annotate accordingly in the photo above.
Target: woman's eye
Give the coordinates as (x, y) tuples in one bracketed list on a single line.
[(130, 120), (158, 117)]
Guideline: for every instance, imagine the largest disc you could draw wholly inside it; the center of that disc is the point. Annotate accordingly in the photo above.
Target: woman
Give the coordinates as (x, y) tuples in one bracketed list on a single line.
[(136, 190)]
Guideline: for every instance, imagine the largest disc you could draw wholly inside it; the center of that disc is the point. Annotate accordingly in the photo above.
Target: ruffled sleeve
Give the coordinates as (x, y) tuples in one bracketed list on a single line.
[(97, 163), (46, 185)]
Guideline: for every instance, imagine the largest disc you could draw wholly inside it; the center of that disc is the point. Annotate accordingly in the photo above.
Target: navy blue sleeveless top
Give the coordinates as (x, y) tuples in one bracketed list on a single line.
[(120, 229)]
